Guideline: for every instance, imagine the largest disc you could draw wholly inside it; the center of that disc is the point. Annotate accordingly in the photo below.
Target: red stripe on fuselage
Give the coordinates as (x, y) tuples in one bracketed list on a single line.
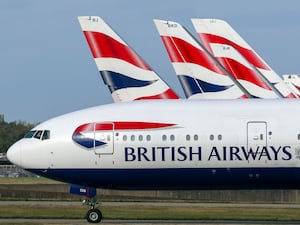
[(103, 46), (121, 125)]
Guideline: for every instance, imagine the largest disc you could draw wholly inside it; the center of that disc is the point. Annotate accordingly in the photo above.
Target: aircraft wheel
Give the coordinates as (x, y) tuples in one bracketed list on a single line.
[(94, 216)]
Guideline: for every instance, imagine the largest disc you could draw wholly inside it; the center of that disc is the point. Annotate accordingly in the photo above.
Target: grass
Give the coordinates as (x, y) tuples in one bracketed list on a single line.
[(154, 213), (27, 180), (143, 212)]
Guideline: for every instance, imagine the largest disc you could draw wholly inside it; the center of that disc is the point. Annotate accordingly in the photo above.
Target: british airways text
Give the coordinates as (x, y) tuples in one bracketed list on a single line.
[(192, 153)]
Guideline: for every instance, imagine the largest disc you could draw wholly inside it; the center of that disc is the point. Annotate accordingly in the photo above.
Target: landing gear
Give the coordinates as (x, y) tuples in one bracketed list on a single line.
[(93, 215)]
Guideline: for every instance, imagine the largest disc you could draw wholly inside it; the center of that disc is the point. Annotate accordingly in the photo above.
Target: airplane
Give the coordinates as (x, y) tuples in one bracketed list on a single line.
[(125, 73), (167, 144), (237, 55), (200, 75), (293, 81)]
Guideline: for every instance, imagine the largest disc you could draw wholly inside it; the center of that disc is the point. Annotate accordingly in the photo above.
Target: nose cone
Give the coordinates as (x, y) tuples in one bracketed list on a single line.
[(14, 154)]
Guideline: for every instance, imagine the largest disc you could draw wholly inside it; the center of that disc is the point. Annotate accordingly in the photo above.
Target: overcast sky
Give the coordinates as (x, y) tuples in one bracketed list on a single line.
[(46, 68)]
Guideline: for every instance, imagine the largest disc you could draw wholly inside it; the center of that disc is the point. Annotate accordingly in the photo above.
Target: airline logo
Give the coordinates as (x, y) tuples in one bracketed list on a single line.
[(197, 71), (126, 74), (215, 33), (92, 135)]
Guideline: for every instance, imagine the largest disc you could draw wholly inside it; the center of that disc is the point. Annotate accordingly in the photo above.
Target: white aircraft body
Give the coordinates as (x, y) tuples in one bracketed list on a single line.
[(168, 144)]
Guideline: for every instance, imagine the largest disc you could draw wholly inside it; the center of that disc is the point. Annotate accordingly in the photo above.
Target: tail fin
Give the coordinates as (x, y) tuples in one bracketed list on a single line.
[(198, 73), (126, 74), (214, 33), (293, 81)]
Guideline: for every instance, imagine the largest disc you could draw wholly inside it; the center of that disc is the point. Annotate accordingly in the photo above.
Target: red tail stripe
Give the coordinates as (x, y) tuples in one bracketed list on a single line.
[(239, 71), (246, 53), (168, 94), (178, 48), (291, 95), (104, 46)]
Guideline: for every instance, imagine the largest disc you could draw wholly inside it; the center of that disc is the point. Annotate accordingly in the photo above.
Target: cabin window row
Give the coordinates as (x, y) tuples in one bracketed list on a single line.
[(165, 137)]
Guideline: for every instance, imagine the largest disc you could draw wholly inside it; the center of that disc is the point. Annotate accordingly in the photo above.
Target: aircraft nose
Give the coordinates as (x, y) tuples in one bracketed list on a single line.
[(14, 154)]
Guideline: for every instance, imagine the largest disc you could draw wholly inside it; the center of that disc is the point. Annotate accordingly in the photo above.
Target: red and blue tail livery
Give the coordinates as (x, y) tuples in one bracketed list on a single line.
[(198, 72), (237, 55), (126, 74)]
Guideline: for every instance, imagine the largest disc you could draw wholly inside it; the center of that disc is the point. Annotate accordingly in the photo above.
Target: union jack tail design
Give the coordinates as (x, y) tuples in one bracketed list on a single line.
[(238, 57), (293, 81), (199, 74), (126, 74)]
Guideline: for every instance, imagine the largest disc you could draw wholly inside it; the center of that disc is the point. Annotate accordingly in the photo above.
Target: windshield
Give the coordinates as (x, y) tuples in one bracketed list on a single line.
[(38, 134)]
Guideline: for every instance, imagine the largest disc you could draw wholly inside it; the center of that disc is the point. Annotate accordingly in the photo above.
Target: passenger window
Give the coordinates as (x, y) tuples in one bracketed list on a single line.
[(211, 137), (124, 137), (219, 137), (46, 135), (188, 137), (132, 138), (195, 137), (298, 136), (164, 137), (148, 137), (140, 137), (172, 137)]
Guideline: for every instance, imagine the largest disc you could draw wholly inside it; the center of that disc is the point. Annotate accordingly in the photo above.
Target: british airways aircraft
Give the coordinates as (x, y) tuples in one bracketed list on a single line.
[(237, 55), (125, 73), (167, 144)]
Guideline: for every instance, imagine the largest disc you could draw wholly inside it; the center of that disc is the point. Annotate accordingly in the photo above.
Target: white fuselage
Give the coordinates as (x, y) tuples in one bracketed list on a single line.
[(170, 143)]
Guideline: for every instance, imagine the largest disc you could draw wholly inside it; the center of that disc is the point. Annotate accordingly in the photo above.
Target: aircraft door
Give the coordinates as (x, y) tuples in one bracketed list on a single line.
[(104, 138), (256, 135)]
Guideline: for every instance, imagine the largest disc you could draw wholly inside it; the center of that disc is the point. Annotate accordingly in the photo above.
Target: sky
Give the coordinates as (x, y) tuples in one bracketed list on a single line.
[(46, 68)]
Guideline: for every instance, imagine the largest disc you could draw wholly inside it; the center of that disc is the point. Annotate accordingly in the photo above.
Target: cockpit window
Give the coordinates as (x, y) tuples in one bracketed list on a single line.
[(46, 135), (30, 134), (38, 134)]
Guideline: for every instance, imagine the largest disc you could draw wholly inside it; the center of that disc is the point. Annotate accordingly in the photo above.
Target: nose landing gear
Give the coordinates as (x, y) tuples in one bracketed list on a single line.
[(94, 215)]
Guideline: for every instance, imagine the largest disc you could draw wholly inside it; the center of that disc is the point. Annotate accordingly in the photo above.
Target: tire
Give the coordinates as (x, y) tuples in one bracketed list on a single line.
[(94, 216)]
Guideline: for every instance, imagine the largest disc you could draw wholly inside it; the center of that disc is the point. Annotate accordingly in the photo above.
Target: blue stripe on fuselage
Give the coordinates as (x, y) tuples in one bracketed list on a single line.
[(184, 178)]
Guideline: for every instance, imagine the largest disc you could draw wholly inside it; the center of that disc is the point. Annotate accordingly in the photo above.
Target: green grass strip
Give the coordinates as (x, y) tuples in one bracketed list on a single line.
[(154, 212)]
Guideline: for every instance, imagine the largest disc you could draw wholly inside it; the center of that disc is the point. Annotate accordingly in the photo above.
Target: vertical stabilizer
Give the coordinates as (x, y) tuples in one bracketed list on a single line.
[(126, 74), (239, 57), (199, 74)]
